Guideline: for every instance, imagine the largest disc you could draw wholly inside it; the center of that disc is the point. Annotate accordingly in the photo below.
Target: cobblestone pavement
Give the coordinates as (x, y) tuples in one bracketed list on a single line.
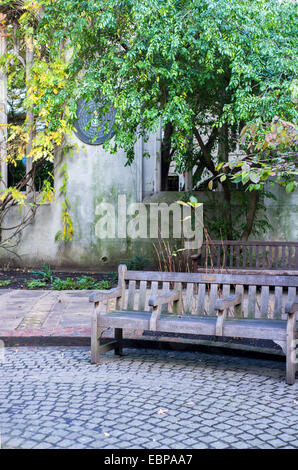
[(52, 397)]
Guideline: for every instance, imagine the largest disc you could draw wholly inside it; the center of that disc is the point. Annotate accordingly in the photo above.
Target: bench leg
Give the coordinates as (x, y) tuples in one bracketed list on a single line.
[(118, 338), (95, 334), (291, 349), (94, 349)]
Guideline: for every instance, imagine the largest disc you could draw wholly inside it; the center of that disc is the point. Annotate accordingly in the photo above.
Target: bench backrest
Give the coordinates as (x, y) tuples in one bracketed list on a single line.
[(251, 254), (264, 296)]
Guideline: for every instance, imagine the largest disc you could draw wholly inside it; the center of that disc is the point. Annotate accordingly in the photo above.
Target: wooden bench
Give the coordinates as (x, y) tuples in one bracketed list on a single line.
[(222, 305), (250, 255)]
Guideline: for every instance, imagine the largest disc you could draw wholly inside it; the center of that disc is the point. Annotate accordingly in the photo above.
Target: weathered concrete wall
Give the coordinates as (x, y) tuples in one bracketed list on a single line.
[(95, 177), (283, 215)]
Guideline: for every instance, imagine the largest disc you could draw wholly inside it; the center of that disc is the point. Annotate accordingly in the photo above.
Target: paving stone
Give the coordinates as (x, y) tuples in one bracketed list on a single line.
[(49, 400)]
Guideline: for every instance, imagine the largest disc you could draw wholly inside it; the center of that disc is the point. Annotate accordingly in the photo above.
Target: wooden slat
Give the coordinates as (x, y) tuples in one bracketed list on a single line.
[(283, 257), (231, 256), (165, 287), (251, 305), (218, 257), (264, 302), (270, 257), (189, 298), (290, 256), (278, 302), (212, 298), (179, 305), (237, 256), (165, 290), (264, 257), (243, 256), (131, 295), (250, 255), (276, 264), (250, 249), (225, 256), (254, 243), (246, 279), (290, 298), (226, 289), (204, 254), (211, 262), (142, 295), (238, 309), (257, 256), (200, 310), (154, 288)]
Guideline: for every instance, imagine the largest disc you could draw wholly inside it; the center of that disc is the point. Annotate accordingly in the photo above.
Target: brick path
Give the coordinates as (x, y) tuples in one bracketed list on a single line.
[(54, 398)]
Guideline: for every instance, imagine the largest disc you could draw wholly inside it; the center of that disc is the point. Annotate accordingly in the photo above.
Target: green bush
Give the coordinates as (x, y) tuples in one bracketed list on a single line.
[(138, 263), (45, 274), (80, 283), (36, 283)]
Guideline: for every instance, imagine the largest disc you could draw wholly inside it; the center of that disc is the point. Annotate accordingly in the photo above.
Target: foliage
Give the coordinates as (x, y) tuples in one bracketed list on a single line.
[(137, 263), (45, 274), (271, 153), (172, 60), (205, 67), (215, 222), (46, 278), (5, 282), (83, 282), (36, 284), (30, 136), (112, 277)]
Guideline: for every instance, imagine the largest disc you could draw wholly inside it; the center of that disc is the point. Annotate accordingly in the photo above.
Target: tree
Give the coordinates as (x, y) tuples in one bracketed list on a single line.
[(28, 181), (206, 68)]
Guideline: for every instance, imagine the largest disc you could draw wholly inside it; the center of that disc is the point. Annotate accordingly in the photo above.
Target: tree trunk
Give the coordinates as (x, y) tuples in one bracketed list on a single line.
[(3, 122), (228, 210), (253, 204), (29, 114), (165, 155), (223, 156)]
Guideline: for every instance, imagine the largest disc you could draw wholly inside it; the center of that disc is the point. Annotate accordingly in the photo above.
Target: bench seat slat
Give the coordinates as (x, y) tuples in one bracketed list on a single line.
[(126, 319), (190, 324)]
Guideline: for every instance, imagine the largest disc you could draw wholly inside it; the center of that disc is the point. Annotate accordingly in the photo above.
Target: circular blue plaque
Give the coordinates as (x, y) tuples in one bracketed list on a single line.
[(94, 124)]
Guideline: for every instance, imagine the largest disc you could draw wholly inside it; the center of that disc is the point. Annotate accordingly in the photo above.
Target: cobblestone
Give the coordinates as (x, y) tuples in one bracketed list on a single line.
[(54, 398)]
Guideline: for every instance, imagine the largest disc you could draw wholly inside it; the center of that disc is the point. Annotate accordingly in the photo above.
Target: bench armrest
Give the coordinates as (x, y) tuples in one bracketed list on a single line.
[(231, 301), (292, 306), (221, 306), (156, 300), (97, 296)]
